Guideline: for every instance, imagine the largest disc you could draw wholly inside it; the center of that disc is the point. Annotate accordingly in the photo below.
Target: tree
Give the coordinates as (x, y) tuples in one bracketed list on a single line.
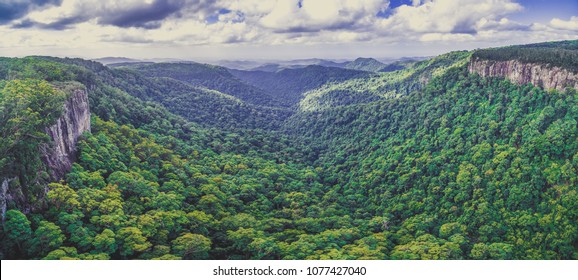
[(166, 201), (133, 184), (192, 246), (200, 222), (449, 229), (479, 251), (63, 197), (500, 251), (47, 237), (105, 242), (81, 236), (131, 242), (362, 251), (62, 253), (167, 257), (264, 248), (17, 229)]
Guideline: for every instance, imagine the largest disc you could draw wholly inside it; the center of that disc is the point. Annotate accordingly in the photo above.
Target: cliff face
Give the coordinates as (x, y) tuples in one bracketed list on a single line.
[(3, 195), (522, 73), (61, 152), (58, 154)]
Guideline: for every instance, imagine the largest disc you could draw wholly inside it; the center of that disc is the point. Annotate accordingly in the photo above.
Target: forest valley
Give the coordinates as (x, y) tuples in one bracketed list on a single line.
[(461, 156)]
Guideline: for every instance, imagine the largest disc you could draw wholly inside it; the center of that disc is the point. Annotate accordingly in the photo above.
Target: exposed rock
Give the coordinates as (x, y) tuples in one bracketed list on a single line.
[(539, 75), (60, 153), (4, 195)]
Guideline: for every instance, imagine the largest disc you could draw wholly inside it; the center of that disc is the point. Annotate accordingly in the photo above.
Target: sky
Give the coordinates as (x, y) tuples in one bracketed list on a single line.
[(205, 30)]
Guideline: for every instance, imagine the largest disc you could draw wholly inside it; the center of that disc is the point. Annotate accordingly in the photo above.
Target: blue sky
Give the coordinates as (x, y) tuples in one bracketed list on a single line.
[(276, 29), (534, 9), (545, 10)]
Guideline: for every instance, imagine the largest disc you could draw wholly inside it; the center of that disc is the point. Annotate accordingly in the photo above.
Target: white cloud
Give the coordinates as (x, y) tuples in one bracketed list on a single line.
[(315, 15), (105, 24), (429, 37), (571, 24), (52, 14), (251, 8), (448, 16)]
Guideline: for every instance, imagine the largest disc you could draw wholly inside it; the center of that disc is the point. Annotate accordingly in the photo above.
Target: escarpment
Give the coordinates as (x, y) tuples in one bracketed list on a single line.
[(540, 75), (60, 153)]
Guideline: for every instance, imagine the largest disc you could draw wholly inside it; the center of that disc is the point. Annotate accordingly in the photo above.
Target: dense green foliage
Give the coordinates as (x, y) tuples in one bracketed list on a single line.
[(290, 84), (398, 65), (429, 162), (125, 97), (495, 161), (211, 77), (27, 107), (199, 104), (378, 87)]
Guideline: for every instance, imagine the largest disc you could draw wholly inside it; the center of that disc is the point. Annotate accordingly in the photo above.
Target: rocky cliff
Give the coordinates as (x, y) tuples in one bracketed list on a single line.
[(60, 153), (3, 195), (539, 75)]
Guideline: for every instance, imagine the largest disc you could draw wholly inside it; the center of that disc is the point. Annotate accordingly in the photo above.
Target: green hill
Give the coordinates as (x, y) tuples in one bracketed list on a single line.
[(290, 84), (366, 64), (208, 76), (381, 85)]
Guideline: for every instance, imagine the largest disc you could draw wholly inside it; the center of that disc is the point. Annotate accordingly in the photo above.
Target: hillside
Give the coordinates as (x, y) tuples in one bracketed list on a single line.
[(192, 161), (451, 166), (197, 103), (290, 84), (366, 64), (211, 77), (381, 85)]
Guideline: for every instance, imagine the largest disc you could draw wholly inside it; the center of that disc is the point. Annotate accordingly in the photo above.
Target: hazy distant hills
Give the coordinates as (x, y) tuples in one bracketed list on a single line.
[(121, 61), (211, 77), (362, 64), (290, 84), (365, 64), (114, 60), (296, 64)]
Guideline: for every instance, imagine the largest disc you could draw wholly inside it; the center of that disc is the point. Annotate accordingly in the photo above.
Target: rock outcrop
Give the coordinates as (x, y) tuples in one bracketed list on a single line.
[(4, 195), (539, 75), (60, 153)]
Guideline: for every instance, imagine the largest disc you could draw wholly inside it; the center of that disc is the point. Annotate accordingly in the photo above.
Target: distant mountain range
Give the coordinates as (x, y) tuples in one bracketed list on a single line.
[(362, 64)]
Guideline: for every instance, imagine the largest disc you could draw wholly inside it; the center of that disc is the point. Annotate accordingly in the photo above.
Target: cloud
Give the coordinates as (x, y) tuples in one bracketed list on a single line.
[(273, 23), (571, 24), (503, 24), (430, 37), (14, 9), (147, 14), (449, 16), (314, 15)]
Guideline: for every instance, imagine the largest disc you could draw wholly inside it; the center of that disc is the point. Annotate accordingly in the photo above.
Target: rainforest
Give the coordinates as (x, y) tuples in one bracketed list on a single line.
[(466, 155)]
